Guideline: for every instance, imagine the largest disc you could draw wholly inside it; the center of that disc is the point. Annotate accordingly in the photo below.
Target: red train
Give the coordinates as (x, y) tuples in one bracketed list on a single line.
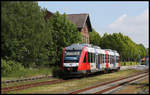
[(85, 59)]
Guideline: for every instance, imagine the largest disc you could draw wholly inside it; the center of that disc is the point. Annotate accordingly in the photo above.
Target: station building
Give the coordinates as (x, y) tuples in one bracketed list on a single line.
[(82, 21)]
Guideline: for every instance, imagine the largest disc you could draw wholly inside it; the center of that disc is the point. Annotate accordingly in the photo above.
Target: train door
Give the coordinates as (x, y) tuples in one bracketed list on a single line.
[(96, 59), (115, 63), (92, 62), (100, 62), (104, 61)]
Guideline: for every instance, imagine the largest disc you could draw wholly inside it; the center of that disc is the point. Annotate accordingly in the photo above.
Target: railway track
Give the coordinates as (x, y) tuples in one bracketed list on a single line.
[(49, 76), (25, 86), (106, 87), (26, 79)]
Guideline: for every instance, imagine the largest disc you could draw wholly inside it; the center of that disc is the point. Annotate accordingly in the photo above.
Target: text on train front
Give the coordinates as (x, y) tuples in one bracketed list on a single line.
[(72, 58)]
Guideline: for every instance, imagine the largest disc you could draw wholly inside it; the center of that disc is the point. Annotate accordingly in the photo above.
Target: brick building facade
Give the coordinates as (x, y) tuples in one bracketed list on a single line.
[(82, 21)]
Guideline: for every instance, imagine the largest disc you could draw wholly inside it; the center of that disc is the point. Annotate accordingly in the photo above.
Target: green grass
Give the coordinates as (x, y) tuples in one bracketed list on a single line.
[(77, 84), (29, 72)]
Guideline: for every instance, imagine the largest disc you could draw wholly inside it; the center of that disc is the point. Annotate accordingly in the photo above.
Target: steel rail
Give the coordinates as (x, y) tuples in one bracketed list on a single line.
[(25, 86), (26, 79), (115, 86), (104, 83)]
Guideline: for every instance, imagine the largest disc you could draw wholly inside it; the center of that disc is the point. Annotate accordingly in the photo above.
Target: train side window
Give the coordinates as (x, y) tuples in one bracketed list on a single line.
[(84, 58), (108, 58), (89, 57), (113, 59), (94, 57), (98, 58), (103, 58), (117, 59)]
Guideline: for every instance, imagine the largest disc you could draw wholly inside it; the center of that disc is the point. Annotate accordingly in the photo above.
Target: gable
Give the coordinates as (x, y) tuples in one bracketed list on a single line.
[(80, 20)]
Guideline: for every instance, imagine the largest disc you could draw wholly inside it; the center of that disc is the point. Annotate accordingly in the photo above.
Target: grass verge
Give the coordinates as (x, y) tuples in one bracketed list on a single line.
[(76, 84), (29, 72)]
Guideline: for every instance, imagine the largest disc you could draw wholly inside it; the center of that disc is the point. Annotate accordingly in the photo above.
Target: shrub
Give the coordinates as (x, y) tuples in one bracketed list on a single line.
[(57, 72), (8, 67), (5, 68)]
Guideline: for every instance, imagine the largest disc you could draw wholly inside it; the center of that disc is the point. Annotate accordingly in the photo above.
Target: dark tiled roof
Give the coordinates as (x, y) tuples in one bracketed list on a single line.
[(80, 20), (48, 14)]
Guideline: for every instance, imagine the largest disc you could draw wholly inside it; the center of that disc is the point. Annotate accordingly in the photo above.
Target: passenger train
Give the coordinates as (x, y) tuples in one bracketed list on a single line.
[(86, 58)]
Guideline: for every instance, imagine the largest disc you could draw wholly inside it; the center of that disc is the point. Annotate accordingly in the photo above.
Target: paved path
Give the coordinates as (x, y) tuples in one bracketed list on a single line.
[(138, 67)]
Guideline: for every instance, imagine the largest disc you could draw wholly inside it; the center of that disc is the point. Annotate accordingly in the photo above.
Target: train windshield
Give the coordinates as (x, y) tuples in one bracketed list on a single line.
[(72, 56)]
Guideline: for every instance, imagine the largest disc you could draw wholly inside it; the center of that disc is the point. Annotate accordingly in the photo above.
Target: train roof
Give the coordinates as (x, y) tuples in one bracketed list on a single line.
[(91, 48), (80, 46), (75, 47)]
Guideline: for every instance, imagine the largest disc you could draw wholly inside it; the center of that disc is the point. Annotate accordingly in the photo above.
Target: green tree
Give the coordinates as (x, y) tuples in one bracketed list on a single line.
[(64, 33), (128, 50), (95, 38), (25, 33)]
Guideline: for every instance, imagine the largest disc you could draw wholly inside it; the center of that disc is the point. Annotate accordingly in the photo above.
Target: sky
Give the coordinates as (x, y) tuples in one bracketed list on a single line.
[(129, 18)]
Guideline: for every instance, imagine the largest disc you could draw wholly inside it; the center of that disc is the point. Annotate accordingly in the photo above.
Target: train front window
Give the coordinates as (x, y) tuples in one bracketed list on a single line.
[(72, 56)]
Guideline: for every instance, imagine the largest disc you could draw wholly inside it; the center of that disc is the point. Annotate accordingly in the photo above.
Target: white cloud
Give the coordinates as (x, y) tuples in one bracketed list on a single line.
[(134, 27), (118, 21)]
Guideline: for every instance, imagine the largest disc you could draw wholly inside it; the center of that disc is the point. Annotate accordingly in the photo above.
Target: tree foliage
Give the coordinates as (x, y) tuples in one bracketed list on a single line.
[(64, 33), (95, 38), (29, 39), (127, 49)]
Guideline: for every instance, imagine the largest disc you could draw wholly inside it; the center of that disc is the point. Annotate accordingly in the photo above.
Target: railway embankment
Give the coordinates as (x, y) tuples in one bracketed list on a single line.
[(66, 87)]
